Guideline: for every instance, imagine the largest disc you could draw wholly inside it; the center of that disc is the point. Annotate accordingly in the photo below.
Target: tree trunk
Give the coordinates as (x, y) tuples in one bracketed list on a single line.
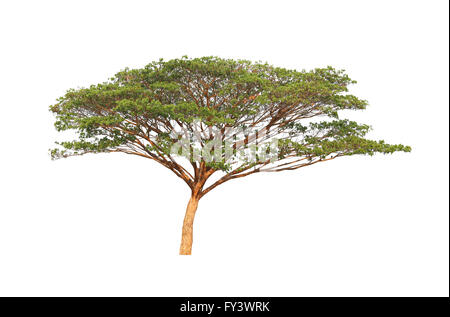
[(186, 236)]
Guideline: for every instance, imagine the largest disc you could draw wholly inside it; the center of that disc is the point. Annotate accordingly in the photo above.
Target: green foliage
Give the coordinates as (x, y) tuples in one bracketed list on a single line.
[(137, 110)]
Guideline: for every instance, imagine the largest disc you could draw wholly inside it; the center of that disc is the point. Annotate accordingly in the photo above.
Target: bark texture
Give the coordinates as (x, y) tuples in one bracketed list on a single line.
[(188, 223)]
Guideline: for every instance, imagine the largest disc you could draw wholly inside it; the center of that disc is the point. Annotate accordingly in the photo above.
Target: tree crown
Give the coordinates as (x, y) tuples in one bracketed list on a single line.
[(255, 117)]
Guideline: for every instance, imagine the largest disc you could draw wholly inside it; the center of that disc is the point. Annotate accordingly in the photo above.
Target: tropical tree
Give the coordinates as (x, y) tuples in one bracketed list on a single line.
[(210, 120)]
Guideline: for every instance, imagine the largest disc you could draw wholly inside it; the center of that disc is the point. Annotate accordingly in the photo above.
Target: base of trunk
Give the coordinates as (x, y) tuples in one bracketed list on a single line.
[(188, 223)]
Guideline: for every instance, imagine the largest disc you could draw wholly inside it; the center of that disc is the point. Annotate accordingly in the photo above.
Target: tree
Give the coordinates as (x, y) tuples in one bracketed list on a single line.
[(211, 116)]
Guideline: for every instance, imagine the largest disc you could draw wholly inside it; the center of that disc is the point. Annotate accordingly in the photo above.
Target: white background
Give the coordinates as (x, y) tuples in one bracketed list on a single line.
[(111, 224)]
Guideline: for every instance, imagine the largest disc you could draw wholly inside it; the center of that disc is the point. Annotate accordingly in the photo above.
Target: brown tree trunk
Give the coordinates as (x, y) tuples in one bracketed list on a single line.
[(186, 236)]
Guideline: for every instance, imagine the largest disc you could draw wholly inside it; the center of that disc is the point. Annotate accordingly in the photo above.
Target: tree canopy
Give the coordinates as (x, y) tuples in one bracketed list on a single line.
[(138, 112)]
